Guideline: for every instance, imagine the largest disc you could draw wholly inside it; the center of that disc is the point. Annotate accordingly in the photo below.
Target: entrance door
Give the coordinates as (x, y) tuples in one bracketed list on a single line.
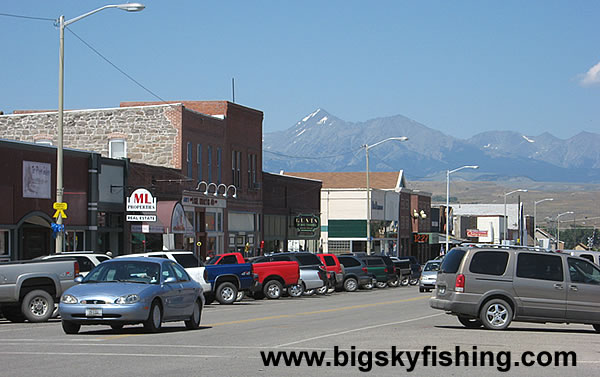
[(35, 242)]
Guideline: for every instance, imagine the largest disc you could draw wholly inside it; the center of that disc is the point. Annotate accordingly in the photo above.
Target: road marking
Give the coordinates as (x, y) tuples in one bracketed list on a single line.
[(314, 312), (87, 354), (358, 329)]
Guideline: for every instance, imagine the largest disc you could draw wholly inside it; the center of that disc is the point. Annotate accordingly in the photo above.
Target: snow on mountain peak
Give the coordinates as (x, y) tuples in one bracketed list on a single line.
[(323, 120), (528, 139), (311, 115)]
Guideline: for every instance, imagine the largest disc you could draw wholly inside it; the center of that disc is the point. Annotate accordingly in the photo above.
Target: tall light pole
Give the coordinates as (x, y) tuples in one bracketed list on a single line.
[(505, 219), (558, 226), (130, 7), (367, 147), (448, 172), (535, 218)]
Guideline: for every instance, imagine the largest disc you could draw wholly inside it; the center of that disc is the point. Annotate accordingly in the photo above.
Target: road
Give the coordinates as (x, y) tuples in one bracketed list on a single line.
[(231, 339)]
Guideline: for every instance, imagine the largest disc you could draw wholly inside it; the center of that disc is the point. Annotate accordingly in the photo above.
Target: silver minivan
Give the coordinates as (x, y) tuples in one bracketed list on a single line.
[(492, 286)]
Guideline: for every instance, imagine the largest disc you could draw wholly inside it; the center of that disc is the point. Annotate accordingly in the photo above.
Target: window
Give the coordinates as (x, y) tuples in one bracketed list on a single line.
[(199, 160), (180, 272), (489, 262), (589, 257), (339, 246), (538, 266), (210, 222), (187, 260), (209, 158), (74, 241), (308, 259), (190, 160), (374, 262), (349, 262), (4, 243), (117, 148), (219, 166), (583, 272), (329, 261), (228, 259), (167, 271), (452, 261), (281, 258), (236, 166)]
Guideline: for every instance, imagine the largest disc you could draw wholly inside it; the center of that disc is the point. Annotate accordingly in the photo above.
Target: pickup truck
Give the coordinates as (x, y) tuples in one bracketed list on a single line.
[(271, 277), (29, 289), (227, 281)]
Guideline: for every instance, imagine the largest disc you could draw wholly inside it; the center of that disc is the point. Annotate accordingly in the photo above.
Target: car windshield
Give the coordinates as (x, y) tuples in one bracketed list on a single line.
[(125, 271), (432, 266)]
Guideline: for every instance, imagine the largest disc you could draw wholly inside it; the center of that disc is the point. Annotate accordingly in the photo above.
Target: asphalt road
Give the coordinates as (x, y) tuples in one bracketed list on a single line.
[(231, 339)]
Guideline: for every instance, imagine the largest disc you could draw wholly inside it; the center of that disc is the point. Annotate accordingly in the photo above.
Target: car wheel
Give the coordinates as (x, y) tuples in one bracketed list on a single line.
[(597, 328), (13, 314), (404, 281), (296, 290), (37, 306), (322, 290), (116, 326), (381, 284), (496, 314), (470, 323), (194, 321), (350, 285), (368, 285), (309, 292), (240, 296), (209, 297), (154, 321), (226, 293), (412, 281), (70, 327), (272, 289), (394, 283)]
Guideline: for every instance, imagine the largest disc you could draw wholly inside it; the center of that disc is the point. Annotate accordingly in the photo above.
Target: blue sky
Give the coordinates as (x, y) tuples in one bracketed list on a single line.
[(461, 67)]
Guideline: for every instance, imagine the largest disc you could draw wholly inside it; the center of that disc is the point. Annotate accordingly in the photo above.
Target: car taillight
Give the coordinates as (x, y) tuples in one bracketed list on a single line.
[(365, 270), (459, 286), (386, 270), (76, 268)]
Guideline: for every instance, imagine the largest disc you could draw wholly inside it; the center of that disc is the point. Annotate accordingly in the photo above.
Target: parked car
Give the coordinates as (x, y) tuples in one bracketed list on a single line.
[(87, 259), (493, 286), (334, 268), (29, 289), (356, 274), (429, 275), (592, 256), (415, 268), (403, 270), (377, 267), (312, 272), (393, 280), (133, 290)]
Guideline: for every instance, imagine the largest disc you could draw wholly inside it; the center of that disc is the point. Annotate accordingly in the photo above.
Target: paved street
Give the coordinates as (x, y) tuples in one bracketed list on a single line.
[(230, 341)]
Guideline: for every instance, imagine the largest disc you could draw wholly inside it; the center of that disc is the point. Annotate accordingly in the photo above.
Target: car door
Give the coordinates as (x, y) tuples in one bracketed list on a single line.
[(540, 286), (171, 293), (583, 303), (188, 290)]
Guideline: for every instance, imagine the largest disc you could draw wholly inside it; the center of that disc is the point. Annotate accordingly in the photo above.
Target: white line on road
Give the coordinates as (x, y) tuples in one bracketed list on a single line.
[(358, 329)]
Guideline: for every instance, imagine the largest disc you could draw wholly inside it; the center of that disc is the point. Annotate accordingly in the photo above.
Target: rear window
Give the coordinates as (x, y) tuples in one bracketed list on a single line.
[(281, 258), (374, 262), (452, 261), (329, 261), (349, 262), (308, 259), (541, 267), (589, 257), (403, 264), (187, 260), (102, 258), (489, 262)]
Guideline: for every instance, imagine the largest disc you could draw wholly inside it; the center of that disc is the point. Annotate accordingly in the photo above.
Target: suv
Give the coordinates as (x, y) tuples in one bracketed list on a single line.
[(403, 270), (415, 268), (494, 285), (334, 268), (87, 260), (356, 273), (378, 268)]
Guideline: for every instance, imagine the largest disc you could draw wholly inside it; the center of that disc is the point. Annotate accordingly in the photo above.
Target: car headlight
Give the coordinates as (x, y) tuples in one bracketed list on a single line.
[(68, 299), (127, 299)]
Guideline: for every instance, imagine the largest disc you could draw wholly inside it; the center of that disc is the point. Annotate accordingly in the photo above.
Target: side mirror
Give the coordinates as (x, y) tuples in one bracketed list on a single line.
[(78, 279), (170, 279)]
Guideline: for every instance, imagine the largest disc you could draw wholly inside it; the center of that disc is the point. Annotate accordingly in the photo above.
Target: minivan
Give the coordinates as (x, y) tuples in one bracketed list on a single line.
[(492, 286)]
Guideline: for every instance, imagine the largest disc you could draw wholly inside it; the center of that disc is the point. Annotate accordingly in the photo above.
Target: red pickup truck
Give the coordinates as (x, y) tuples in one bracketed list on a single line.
[(271, 277)]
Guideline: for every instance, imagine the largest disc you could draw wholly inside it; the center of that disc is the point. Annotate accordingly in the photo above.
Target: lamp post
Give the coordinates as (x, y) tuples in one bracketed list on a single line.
[(535, 218), (367, 147), (448, 172), (558, 226), (505, 219), (130, 7)]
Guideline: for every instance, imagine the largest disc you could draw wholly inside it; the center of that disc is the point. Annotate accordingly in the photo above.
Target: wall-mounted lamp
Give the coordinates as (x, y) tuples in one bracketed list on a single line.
[(234, 191), (423, 214), (200, 185), (208, 188), (415, 214)]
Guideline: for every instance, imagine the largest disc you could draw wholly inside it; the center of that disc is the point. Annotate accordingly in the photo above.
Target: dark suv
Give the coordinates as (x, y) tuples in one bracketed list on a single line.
[(393, 280), (415, 268), (355, 273)]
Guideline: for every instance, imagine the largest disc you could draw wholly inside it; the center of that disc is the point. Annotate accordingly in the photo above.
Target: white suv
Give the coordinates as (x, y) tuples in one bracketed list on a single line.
[(87, 259)]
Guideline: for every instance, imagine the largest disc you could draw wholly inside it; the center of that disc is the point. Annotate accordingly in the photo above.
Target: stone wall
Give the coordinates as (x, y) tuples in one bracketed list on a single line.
[(153, 133)]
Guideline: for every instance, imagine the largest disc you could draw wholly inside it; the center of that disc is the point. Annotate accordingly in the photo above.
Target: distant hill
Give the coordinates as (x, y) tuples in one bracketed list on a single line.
[(322, 142)]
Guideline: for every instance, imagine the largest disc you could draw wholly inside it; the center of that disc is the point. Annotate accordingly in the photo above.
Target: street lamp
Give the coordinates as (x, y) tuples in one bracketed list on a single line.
[(535, 218), (367, 147), (448, 172), (130, 7), (505, 219), (558, 226)]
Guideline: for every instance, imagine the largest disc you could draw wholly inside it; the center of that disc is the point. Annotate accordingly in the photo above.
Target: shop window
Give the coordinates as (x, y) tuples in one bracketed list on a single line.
[(219, 222), (4, 243), (74, 241), (117, 148), (190, 160), (199, 160), (210, 222)]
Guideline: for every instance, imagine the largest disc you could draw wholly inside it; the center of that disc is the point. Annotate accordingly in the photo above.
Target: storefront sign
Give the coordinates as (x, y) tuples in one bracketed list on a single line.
[(36, 180), (147, 218), (201, 201), (306, 224), (141, 200), (477, 233)]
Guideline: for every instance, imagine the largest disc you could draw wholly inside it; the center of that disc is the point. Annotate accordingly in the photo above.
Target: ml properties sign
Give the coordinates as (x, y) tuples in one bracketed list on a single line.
[(141, 200)]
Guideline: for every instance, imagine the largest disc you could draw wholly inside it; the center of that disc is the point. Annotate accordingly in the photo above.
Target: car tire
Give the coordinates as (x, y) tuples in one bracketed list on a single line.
[(381, 284), (470, 323), (309, 292), (597, 328), (296, 290), (70, 327), (394, 283), (322, 290), (350, 285), (37, 306), (272, 289), (209, 297), (240, 296), (194, 322), (404, 281), (116, 326), (226, 293), (13, 314), (154, 321), (368, 285), (414, 281), (496, 314)]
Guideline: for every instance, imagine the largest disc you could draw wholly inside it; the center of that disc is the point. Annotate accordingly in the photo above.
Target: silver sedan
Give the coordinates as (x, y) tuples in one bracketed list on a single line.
[(132, 290)]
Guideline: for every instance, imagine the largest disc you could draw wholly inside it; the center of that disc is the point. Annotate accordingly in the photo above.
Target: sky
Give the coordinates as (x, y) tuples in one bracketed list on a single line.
[(460, 67)]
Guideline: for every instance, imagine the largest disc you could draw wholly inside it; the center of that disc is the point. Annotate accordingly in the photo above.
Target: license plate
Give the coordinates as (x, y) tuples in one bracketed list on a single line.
[(93, 312)]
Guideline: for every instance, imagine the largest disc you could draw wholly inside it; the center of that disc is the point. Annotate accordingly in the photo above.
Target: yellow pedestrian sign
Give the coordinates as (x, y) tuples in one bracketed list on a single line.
[(60, 209)]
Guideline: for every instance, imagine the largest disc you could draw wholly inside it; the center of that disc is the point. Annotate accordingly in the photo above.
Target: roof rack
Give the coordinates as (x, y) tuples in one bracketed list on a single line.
[(505, 247)]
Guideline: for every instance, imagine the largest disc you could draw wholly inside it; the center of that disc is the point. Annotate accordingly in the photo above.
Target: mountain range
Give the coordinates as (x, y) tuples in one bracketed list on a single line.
[(322, 142)]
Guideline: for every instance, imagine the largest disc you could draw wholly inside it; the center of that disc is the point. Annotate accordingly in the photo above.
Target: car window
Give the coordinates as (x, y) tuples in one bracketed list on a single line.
[(261, 260), (539, 266), (329, 261), (102, 258), (281, 258), (180, 272), (187, 260), (589, 257), (583, 272), (228, 259), (167, 271), (308, 259), (489, 262), (374, 262), (452, 261), (349, 262), (164, 256), (404, 264), (432, 266), (85, 265)]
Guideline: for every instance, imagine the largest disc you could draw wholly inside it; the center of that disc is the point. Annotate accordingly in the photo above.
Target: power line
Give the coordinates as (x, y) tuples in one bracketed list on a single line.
[(28, 17)]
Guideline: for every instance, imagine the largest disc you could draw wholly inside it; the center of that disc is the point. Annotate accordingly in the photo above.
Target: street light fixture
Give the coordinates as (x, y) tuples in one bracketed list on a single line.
[(129, 7), (535, 218), (367, 147), (505, 219), (448, 172), (558, 226)]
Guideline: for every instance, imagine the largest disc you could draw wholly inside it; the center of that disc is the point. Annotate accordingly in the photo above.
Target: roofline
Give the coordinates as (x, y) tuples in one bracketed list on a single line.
[(92, 110)]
